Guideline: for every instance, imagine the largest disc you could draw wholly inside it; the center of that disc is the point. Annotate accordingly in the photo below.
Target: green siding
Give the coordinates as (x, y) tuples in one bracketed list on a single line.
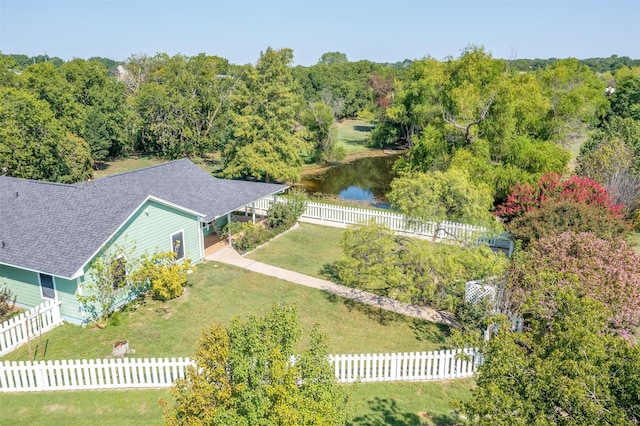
[(26, 286), (148, 230)]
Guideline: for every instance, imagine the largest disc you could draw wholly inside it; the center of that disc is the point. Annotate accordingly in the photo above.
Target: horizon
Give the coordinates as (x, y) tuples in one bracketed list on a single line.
[(380, 31)]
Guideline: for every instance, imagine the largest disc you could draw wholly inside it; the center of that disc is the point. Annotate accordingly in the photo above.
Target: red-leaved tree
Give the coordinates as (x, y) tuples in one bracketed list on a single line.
[(550, 188), (605, 270)]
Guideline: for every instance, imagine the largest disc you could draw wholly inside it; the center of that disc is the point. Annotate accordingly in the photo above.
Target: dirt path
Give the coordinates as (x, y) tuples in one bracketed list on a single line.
[(229, 256)]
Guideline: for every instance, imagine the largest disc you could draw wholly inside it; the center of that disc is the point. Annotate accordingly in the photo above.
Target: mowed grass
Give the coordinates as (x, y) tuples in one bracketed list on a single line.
[(397, 403), (217, 294), (125, 165), (96, 408), (135, 162), (353, 134), (404, 404), (307, 249)]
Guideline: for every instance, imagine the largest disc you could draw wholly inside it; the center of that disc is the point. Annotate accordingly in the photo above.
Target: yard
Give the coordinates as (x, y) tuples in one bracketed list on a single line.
[(306, 250), (400, 404), (217, 293)]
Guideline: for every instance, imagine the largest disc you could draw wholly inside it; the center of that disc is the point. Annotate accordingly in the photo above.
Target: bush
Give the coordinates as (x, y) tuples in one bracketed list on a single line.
[(283, 216), (565, 216), (411, 270), (165, 276), (7, 304), (249, 236), (605, 270)]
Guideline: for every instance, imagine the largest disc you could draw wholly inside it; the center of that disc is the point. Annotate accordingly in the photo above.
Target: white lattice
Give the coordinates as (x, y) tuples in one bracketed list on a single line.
[(475, 291)]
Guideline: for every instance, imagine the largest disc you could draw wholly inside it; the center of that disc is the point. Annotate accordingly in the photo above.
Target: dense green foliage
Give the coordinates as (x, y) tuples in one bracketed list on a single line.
[(439, 196), (280, 217), (245, 375), (165, 277), (564, 369), (513, 125), (412, 270), (263, 140)]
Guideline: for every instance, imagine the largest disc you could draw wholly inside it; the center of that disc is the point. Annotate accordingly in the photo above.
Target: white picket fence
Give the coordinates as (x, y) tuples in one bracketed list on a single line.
[(18, 330), (129, 373), (411, 366), (113, 373), (395, 221)]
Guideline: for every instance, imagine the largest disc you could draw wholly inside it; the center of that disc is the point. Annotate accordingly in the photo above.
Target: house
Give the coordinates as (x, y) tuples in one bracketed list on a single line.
[(50, 233)]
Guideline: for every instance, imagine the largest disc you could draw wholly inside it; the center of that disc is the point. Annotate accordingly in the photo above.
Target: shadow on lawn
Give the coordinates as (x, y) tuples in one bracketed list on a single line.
[(386, 412), (41, 347)]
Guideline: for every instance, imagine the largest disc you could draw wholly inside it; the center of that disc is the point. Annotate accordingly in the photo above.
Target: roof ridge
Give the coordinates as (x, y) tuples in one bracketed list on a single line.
[(143, 169), (40, 182)]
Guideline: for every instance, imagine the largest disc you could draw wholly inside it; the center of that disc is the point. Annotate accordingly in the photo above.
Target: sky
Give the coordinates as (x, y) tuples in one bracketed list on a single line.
[(377, 30)]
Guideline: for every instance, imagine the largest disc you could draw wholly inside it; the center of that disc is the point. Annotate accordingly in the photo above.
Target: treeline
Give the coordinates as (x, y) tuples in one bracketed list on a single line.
[(261, 120), (264, 120)]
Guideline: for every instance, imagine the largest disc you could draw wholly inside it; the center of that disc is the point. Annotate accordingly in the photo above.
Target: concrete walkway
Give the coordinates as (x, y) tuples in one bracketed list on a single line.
[(231, 257)]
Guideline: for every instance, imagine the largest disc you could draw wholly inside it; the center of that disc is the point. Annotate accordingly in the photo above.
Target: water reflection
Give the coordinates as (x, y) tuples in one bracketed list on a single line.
[(366, 180)]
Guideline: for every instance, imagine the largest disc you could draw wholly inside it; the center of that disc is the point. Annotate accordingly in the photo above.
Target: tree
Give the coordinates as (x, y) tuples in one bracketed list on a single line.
[(330, 58), (263, 142), (7, 303), (555, 217), (34, 144), (180, 102), (322, 133), (564, 369), (248, 374), (106, 113), (412, 270), (605, 270), (110, 280), (625, 101), (47, 83), (551, 187), (439, 196)]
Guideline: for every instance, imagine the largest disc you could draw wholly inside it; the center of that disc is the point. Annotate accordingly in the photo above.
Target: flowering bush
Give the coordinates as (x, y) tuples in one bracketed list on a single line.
[(552, 188), (605, 270)]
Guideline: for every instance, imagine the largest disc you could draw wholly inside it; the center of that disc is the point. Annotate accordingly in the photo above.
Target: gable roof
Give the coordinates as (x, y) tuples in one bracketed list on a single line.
[(183, 183), (56, 228)]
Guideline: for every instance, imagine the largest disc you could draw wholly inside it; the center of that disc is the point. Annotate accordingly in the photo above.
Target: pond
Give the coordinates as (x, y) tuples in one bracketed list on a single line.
[(365, 180)]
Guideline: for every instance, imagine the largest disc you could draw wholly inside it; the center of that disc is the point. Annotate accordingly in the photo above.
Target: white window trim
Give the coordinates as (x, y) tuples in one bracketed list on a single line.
[(184, 247), (55, 290)]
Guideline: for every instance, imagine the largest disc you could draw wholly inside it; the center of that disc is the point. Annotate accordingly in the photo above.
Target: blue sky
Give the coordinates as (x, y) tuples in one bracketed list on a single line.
[(378, 30)]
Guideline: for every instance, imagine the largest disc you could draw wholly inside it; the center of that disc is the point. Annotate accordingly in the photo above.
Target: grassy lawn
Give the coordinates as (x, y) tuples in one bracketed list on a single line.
[(218, 293), (136, 162), (118, 407), (353, 134), (306, 250), (373, 404)]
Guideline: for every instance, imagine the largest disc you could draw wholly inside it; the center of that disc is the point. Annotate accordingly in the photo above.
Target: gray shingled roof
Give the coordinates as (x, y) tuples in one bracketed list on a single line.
[(56, 228)]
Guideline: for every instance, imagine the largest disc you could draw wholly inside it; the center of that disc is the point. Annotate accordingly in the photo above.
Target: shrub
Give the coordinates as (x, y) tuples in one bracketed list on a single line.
[(552, 188), (7, 304), (412, 270), (165, 276), (284, 215), (605, 270), (249, 236), (556, 217)]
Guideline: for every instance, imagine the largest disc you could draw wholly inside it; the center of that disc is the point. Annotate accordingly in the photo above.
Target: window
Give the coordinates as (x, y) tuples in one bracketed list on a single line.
[(177, 244), (119, 271), (47, 286)]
